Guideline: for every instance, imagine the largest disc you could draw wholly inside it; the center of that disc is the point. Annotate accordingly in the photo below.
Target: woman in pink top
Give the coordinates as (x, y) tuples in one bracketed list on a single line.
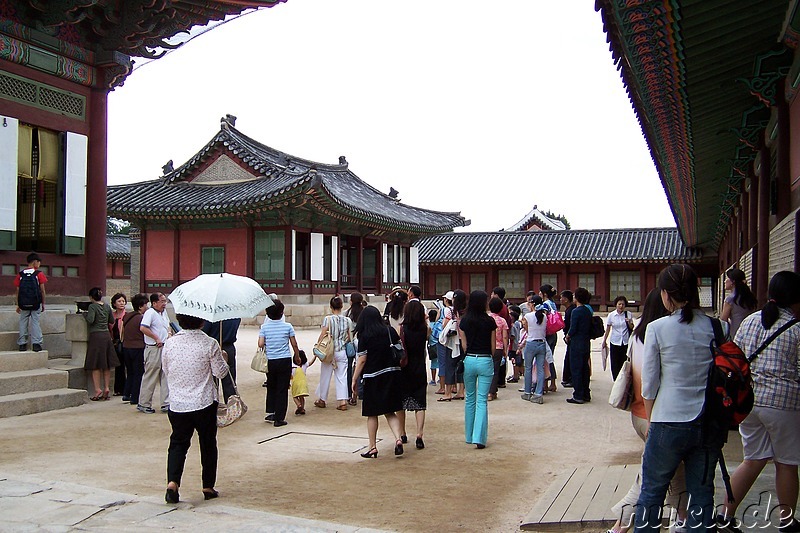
[(500, 344), (653, 309)]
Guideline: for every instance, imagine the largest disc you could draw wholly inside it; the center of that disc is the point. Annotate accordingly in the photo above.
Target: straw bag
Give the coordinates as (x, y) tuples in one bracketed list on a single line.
[(233, 410), (259, 361), (323, 349)]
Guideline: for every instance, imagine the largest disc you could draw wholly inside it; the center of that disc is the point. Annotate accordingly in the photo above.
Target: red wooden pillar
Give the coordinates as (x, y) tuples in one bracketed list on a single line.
[(745, 218), (762, 259), (360, 264), (752, 228), (783, 154), (96, 180)]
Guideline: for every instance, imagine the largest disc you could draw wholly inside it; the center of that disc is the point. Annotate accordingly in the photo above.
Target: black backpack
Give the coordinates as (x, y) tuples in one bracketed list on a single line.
[(30, 296), (598, 327)]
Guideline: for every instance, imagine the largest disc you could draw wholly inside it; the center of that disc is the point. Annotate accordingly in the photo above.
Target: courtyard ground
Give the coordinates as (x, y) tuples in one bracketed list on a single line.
[(311, 468)]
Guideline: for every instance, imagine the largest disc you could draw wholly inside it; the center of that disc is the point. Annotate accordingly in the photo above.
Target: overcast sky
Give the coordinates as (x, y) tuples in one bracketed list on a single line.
[(487, 108)]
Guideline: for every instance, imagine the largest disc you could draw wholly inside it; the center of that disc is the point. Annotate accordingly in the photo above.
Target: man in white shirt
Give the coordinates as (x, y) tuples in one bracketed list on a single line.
[(155, 327)]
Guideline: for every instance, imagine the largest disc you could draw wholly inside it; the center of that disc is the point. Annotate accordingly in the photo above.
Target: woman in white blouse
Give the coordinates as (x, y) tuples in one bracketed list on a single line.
[(619, 326), (675, 366), (191, 360)]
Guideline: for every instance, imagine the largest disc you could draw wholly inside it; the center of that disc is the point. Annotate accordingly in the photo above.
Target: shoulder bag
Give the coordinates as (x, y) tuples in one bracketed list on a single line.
[(232, 410), (398, 352), (259, 361), (554, 323), (622, 391)]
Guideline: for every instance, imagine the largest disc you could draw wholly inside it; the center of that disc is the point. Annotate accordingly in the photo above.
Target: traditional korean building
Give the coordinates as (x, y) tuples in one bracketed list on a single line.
[(298, 227), (608, 263), (58, 61), (715, 86)]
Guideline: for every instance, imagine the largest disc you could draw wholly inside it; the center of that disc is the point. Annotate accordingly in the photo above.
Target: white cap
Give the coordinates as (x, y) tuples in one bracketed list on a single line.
[(448, 295)]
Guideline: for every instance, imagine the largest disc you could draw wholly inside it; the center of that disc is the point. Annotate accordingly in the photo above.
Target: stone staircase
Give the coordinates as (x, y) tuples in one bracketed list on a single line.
[(28, 385)]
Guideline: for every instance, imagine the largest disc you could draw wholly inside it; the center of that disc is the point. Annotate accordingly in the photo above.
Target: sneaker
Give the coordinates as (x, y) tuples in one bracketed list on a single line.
[(512, 380), (526, 397), (279, 423), (37, 347), (537, 398), (725, 525), (790, 527), (147, 410), (566, 384), (521, 390), (23, 347), (270, 417), (126, 399), (164, 408), (431, 383), (679, 527)]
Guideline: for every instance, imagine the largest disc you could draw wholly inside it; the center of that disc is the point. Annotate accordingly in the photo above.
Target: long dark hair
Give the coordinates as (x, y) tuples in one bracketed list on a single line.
[(357, 304), (459, 302), (397, 304), (370, 324), (653, 310), (784, 291), (742, 294), (680, 282), (414, 316), (476, 310), (548, 291), (536, 301)]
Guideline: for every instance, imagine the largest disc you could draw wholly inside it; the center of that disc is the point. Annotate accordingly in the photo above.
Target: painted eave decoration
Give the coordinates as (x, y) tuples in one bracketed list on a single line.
[(133, 27), (649, 245), (234, 176), (701, 76)]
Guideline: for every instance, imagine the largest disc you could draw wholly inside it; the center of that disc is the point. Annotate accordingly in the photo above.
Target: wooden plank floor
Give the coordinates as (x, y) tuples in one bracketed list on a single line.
[(581, 499)]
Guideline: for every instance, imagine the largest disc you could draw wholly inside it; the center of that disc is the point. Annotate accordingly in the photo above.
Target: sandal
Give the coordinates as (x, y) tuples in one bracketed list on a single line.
[(458, 397), (444, 399), (96, 398), (342, 407), (106, 394), (352, 401), (320, 403)]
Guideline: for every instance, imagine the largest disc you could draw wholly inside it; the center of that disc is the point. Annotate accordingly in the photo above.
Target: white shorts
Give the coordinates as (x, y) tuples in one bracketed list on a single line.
[(769, 433)]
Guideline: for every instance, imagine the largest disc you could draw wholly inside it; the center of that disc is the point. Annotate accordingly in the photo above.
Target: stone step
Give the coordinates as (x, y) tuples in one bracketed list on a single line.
[(40, 379), (15, 361), (40, 401), (8, 340)]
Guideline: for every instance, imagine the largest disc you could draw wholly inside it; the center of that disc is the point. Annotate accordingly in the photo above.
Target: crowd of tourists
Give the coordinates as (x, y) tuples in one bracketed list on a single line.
[(473, 345)]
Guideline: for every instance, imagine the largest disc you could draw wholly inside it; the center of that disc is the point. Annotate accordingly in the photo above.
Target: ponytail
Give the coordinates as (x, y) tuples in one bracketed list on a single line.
[(784, 292)]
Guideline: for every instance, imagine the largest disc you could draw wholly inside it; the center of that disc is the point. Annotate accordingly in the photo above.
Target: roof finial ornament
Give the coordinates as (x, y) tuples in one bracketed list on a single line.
[(393, 192), (168, 168), (228, 119), (342, 160)]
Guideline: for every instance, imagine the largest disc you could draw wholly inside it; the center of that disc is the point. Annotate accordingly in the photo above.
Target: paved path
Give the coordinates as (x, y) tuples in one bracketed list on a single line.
[(33, 505)]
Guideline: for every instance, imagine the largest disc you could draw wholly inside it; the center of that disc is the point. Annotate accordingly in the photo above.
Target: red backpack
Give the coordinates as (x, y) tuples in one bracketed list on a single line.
[(729, 392)]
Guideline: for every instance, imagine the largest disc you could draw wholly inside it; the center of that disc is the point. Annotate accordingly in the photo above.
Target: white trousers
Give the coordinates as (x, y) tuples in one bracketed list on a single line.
[(340, 378)]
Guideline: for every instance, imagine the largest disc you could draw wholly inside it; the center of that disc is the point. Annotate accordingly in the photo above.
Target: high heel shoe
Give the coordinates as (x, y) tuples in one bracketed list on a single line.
[(371, 454), (398, 447), (210, 494)]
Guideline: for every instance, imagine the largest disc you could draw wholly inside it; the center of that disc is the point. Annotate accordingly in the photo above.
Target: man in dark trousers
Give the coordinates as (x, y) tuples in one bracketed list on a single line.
[(229, 329), (567, 300)]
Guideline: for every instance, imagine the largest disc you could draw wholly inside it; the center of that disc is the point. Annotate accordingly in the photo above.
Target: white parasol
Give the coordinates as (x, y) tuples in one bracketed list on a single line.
[(216, 297)]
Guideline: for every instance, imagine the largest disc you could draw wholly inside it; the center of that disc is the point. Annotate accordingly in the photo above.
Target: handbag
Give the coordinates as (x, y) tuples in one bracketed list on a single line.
[(323, 349), (232, 410), (259, 361), (622, 391), (350, 349), (554, 323), (604, 356), (398, 352)]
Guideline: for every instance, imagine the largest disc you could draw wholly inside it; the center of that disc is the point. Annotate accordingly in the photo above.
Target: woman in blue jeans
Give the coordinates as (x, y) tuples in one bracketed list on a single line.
[(535, 350), (675, 366), (476, 330)]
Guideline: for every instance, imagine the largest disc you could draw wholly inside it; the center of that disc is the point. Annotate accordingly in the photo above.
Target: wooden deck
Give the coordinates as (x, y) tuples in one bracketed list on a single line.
[(581, 500)]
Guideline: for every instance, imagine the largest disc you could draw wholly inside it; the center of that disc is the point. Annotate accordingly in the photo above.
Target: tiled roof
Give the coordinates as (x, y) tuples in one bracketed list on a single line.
[(702, 76), (543, 220), (273, 178), (118, 247), (650, 245)]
